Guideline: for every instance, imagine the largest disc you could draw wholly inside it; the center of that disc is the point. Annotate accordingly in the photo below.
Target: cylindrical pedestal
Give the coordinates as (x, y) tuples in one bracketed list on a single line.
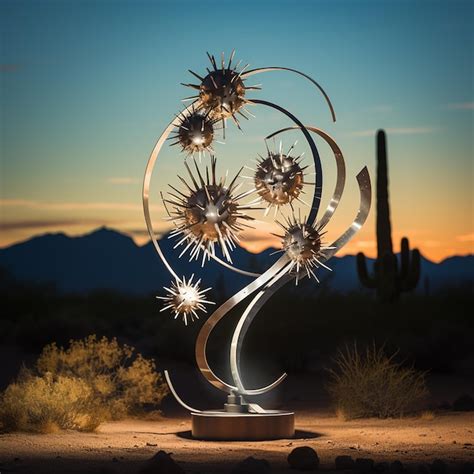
[(221, 425)]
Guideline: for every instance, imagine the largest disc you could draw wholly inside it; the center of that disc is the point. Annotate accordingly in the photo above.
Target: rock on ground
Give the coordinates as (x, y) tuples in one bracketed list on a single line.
[(303, 458), (344, 462), (162, 463), (252, 465)]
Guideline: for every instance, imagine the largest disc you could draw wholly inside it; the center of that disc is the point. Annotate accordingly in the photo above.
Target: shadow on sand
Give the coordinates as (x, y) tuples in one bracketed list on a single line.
[(299, 434)]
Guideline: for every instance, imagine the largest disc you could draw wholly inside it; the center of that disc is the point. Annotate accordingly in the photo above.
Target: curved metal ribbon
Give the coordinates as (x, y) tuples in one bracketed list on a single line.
[(365, 190), (259, 70), (177, 397), (209, 325), (214, 318), (318, 188), (146, 199), (340, 172), (146, 188)]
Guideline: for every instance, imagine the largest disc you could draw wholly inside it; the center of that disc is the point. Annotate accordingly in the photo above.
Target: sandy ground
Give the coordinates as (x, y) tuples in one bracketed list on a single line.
[(124, 447)]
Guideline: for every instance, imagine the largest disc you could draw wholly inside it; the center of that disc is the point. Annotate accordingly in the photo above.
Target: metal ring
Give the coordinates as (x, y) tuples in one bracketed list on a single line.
[(274, 68)]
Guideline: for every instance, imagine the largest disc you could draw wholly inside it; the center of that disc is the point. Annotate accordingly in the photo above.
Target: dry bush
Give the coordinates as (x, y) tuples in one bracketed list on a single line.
[(122, 380), (47, 404), (80, 387), (371, 384)]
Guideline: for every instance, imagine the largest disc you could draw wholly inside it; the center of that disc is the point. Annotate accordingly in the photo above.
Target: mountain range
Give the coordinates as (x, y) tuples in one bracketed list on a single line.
[(107, 259)]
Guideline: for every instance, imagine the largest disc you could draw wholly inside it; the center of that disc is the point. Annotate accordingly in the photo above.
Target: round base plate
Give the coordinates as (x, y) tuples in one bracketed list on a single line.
[(221, 425)]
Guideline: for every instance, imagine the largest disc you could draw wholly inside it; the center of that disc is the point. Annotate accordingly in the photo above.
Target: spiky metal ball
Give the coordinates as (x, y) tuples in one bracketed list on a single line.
[(303, 245), (222, 91), (195, 132), (278, 179), (185, 298), (209, 212)]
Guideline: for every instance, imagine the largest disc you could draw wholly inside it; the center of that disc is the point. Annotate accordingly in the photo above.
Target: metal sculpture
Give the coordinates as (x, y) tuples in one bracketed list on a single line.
[(209, 213)]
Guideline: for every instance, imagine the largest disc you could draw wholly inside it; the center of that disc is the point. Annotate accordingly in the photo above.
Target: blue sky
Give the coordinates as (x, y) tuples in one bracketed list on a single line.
[(87, 87)]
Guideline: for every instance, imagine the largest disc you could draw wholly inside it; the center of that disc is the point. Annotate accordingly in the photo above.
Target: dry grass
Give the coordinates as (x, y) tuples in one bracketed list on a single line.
[(121, 380), (80, 387), (427, 415), (371, 384), (48, 404)]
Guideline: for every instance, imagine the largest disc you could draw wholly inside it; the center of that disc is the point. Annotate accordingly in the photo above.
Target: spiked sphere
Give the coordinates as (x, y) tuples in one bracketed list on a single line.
[(303, 244), (222, 92), (278, 179), (208, 213), (185, 299), (195, 132)]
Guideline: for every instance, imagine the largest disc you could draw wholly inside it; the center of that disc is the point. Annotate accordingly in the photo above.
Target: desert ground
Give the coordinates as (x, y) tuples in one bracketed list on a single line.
[(125, 447)]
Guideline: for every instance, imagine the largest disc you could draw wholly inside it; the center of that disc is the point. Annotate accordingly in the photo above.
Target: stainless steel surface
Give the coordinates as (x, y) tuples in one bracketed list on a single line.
[(259, 70), (146, 188), (365, 190), (209, 325), (176, 396)]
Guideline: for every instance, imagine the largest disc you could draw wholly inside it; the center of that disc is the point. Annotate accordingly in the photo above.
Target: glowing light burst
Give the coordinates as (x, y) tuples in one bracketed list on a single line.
[(185, 298), (279, 179), (222, 91), (195, 132), (303, 244), (207, 213)]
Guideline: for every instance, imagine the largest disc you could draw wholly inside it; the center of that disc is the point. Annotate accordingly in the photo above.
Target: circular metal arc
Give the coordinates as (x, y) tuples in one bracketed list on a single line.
[(146, 199), (259, 70), (316, 158), (146, 189), (177, 397), (340, 172), (365, 190)]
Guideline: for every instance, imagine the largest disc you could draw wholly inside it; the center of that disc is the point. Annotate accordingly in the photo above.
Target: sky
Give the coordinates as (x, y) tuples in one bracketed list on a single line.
[(88, 87)]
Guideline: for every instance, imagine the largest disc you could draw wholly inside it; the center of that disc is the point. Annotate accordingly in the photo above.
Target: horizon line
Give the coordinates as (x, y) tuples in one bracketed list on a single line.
[(130, 236)]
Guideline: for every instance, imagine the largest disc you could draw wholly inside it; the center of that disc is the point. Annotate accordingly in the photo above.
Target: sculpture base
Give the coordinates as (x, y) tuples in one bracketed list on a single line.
[(222, 425)]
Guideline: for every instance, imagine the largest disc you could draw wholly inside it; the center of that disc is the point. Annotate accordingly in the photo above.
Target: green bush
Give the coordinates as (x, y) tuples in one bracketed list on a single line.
[(371, 384), (79, 387)]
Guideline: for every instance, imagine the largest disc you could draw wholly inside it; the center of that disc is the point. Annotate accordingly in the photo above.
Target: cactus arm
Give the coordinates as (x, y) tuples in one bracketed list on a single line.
[(411, 281), (365, 278), (404, 258)]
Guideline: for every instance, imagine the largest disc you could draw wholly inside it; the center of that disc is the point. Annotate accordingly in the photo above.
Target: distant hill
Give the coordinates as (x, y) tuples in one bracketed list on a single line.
[(107, 259)]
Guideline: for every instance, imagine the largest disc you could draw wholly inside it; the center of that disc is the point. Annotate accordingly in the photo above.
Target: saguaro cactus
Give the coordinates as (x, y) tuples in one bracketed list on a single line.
[(388, 279)]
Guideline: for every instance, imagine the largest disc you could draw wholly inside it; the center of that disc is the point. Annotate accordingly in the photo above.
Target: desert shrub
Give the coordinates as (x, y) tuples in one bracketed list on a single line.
[(91, 381), (371, 384), (121, 380), (46, 404)]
